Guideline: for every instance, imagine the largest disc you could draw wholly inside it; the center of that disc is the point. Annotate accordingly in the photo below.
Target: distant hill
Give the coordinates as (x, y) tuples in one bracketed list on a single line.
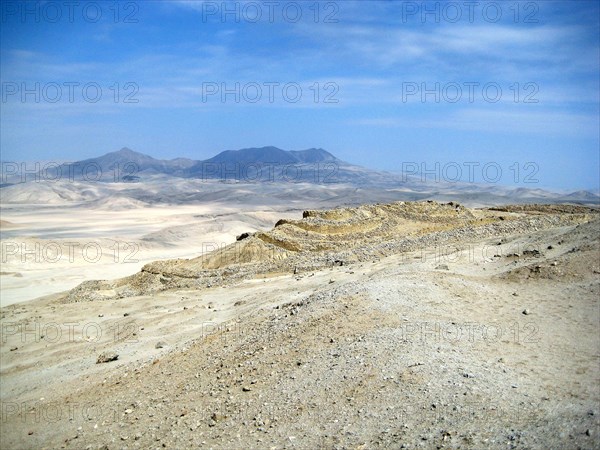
[(252, 155), (119, 166), (272, 164), (584, 196), (273, 155)]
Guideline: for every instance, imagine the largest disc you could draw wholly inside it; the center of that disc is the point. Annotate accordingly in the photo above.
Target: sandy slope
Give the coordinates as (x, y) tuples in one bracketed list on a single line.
[(426, 348), (49, 249)]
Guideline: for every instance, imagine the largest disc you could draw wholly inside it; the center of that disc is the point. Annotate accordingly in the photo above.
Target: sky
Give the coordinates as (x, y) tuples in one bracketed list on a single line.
[(504, 92)]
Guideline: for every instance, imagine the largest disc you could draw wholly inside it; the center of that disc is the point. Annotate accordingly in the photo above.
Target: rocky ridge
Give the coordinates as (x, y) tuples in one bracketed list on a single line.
[(335, 237)]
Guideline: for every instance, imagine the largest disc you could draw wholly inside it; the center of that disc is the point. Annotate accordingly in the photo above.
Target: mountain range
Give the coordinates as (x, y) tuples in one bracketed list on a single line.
[(268, 164), (265, 164)]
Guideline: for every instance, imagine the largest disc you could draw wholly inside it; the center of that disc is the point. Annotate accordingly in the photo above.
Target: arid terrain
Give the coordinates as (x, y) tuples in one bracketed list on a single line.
[(399, 325), (315, 225)]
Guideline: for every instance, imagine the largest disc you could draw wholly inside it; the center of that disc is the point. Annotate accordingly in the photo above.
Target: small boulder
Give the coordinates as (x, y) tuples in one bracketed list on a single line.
[(107, 357)]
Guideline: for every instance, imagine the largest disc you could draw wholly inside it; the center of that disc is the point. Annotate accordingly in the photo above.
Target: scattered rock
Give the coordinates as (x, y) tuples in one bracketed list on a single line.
[(216, 417), (526, 312), (160, 344), (107, 357)]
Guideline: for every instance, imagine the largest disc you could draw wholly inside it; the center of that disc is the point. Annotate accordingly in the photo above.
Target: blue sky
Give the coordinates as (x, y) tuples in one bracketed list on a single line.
[(345, 76)]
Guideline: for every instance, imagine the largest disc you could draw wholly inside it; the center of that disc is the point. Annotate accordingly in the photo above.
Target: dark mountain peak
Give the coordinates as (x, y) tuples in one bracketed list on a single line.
[(273, 155), (127, 153), (253, 155)]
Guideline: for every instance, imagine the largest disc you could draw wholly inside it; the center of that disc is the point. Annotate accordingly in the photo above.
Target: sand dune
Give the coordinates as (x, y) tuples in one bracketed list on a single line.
[(55, 248)]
